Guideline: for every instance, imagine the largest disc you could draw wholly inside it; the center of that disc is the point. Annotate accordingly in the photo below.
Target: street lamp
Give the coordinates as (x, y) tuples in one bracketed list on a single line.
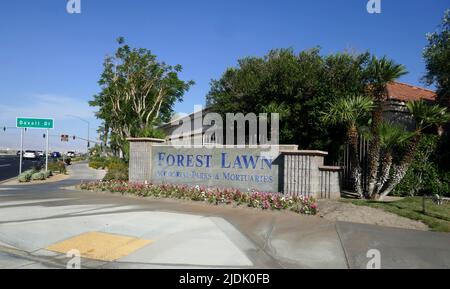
[(89, 128)]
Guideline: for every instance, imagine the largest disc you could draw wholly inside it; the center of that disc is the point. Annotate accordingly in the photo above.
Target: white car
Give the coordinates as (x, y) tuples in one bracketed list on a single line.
[(30, 155), (70, 154)]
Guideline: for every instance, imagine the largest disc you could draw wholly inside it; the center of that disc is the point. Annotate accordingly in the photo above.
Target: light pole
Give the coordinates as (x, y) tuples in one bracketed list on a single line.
[(89, 129)]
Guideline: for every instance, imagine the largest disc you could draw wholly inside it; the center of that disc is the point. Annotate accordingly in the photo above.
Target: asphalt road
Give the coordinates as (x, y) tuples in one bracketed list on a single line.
[(9, 166)]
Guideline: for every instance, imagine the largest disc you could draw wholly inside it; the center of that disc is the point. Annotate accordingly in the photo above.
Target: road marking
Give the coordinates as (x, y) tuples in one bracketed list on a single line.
[(100, 246), (7, 165)]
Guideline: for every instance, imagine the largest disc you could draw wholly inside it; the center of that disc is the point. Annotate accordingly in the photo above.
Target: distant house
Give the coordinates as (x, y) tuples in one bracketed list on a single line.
[(171, 129), (398, 95), (394, 110)]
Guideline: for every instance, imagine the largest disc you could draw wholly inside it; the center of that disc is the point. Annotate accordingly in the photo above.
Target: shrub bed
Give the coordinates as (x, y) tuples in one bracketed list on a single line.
[(117, 173), (117, 169), (48, 174), (78, 159), (58, 166), (265, 201), (40, 176), (98, 163), (34, 175), (26, 176)]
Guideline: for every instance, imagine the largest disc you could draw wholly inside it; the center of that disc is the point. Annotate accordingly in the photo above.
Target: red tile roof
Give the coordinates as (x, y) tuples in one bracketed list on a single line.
[(406, 92)]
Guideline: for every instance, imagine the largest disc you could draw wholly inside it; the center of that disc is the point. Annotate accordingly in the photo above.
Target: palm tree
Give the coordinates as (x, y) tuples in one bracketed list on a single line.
[(380, 72), (392, 138), (353, 112), (425, 116)]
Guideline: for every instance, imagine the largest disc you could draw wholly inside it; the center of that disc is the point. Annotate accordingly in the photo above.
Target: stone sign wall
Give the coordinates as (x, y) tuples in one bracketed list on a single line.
[(291, 171), (244, 169)]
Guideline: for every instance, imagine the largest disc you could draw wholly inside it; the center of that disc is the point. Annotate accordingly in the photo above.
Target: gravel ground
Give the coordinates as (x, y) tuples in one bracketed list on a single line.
[(339, 211)]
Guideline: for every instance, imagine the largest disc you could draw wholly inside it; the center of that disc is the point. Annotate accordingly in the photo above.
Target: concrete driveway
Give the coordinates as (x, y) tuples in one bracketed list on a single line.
[(39, 224)]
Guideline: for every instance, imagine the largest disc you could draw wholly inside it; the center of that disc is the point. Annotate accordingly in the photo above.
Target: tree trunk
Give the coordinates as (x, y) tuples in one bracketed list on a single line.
[(401, 169), (384, 173), (356, 165), (397, 176), (374, 149), (105, 135)]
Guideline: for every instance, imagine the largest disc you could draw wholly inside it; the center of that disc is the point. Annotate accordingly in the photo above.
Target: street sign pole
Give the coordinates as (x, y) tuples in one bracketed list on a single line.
[(21, 151), (33, 123), (46, 151)]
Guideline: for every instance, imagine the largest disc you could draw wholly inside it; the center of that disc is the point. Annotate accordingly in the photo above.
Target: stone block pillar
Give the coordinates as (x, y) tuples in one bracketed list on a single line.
[(140, 167), (330, 182), (301, 172), (305, 175)]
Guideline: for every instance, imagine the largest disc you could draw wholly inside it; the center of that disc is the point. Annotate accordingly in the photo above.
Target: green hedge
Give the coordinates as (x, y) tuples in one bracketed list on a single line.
[(424, 177)]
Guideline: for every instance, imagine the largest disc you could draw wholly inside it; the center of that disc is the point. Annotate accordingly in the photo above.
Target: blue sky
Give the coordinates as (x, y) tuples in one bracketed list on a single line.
[(50, 61)]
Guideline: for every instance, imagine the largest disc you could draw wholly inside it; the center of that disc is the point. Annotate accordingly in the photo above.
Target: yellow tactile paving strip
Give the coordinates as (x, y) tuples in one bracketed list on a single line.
[(100, 246)]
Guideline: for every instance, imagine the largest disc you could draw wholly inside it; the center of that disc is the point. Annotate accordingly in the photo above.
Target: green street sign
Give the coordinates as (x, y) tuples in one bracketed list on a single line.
[(42, 123)]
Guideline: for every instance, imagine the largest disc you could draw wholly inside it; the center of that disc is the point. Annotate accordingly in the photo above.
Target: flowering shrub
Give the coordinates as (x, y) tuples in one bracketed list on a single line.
[(265, 201)]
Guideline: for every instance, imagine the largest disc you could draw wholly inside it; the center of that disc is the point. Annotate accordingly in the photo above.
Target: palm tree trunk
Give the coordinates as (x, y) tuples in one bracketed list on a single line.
[(401, 169), (352, 134), (397, 176), (384, 173), (374, 149)]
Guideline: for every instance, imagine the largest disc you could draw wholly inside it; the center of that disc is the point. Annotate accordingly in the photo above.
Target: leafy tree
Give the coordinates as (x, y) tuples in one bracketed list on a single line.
[(138, 91), (437, 60), (298, 86), (424, 175)]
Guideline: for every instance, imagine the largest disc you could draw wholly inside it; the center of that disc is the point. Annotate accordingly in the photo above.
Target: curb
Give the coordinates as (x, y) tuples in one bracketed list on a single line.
[(8, 180)]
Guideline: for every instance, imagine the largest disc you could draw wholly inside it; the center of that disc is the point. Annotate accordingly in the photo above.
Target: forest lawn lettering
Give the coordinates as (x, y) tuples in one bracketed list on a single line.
[(248, 162)]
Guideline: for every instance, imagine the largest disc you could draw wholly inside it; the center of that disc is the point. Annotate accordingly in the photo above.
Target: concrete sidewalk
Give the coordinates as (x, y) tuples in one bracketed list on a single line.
[(197, 235)]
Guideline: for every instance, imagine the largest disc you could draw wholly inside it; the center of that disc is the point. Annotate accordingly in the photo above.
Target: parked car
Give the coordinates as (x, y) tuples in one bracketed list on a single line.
[(30, 155), (56, 155), (41, 154), (70, 154)]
